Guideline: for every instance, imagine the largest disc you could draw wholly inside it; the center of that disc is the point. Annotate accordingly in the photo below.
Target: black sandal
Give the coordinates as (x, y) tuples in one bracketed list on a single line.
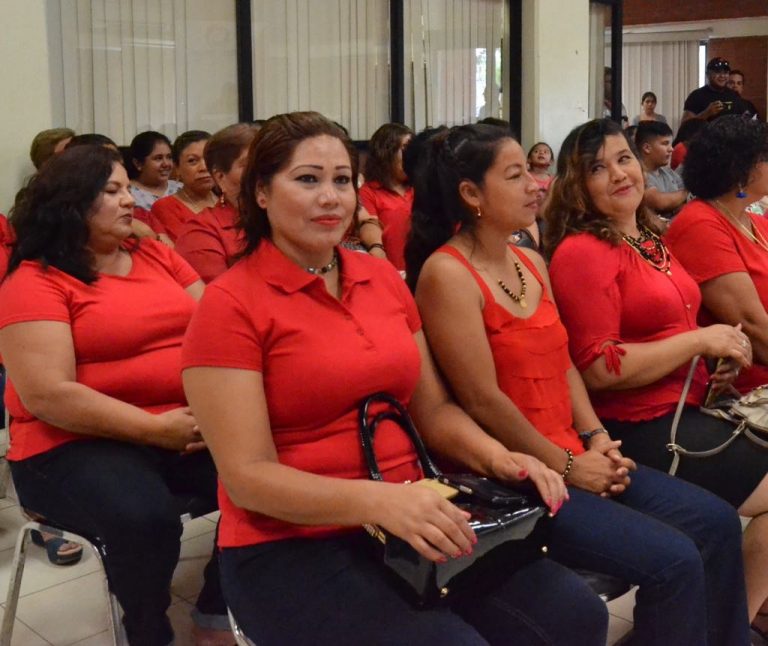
[(52, 547)]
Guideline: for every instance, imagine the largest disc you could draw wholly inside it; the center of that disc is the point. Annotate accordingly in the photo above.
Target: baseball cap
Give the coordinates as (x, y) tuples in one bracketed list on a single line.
[(718, 64)]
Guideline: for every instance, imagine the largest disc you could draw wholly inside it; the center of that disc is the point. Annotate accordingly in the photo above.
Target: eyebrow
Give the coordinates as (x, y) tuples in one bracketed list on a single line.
[(517, 166), (320, 167)]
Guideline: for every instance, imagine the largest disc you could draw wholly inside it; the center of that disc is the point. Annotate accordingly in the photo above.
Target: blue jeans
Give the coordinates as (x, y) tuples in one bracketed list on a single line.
[(679, 543), (331, 592)]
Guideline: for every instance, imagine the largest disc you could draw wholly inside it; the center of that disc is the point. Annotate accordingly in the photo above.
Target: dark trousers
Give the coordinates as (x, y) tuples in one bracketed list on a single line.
[(124, 494), (329, 592)]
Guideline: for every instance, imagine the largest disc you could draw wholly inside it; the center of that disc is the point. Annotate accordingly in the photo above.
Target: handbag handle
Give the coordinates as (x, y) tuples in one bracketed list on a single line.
[(395, 412)]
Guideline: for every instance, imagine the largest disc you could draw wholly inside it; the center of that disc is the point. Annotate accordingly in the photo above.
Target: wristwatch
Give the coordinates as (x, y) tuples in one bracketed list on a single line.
[(586, 436)]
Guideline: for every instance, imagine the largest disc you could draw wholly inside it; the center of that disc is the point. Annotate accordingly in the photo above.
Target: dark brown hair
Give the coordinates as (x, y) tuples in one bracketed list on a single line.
[(382, 150), (270, 152), (226, 145), (571, 209)]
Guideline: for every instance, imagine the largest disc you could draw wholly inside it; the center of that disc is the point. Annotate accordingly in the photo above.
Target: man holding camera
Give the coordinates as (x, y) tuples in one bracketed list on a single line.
[(715, 99)]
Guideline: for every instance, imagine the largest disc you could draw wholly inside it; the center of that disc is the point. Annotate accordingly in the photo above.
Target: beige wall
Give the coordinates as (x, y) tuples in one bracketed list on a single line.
[(26, 98), (555, 69)]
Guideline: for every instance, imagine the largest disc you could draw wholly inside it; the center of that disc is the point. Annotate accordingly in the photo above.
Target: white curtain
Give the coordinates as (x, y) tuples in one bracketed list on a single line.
[(454, 51), (123, 66), (330, 56), (668, 69)]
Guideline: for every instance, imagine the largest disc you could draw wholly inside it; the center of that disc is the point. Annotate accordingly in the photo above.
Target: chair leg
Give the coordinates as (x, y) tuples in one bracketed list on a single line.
[(5, 476), (240, 638), (14, 584)]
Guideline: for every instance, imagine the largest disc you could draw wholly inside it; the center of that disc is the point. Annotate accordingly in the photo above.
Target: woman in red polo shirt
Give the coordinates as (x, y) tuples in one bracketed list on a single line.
[(282, 350), (386, 194), (210, 242), (91, 324), (720, 243), (630, 310), (196, 193)]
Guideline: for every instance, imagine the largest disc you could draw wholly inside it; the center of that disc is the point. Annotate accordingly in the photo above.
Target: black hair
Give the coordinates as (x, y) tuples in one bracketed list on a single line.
[(688, 129), (185, 139), (141, 147), (448, 158), (51, 218), (723, 154), (649, 95), (90, 139), (648, 131), (382, 150)]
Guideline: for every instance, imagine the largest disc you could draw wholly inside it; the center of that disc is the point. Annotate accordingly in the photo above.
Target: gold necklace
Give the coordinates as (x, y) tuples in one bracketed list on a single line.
[(517, 298), (757, 239), (206, 202)]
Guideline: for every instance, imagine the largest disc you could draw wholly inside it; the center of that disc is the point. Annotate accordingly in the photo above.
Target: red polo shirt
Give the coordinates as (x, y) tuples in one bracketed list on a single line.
[(608, 295), (709, 246), (319, 357), (210, 241), (394, 212)]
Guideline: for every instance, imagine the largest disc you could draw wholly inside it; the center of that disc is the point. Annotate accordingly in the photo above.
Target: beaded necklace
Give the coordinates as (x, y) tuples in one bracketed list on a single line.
[(325, 268), (757, 239), (517, 298), (651, 248)]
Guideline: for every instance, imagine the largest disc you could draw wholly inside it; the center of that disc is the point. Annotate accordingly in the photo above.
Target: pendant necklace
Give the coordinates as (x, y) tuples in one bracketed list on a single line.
[(651, 248), (517, 298)]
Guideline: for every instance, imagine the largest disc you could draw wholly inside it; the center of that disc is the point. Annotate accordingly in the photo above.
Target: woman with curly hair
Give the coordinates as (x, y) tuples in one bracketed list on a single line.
[(720, 244), (630, 309), (387, 195)]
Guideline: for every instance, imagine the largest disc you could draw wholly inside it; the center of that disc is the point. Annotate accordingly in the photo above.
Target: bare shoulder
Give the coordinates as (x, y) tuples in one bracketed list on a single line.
[(444, 274)]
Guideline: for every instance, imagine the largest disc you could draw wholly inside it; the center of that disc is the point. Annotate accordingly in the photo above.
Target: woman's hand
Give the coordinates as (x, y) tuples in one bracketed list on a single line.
[(177, 431), (724, 375), (598, 473), (432, 525), (726, 341), (623, 465), (516, 467)]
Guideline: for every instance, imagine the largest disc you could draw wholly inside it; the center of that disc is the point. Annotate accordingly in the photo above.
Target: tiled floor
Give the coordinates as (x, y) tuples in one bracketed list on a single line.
[(64, 606)]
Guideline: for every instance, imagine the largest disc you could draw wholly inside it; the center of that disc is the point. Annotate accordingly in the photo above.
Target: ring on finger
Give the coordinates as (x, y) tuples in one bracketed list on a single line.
[(744, 343)]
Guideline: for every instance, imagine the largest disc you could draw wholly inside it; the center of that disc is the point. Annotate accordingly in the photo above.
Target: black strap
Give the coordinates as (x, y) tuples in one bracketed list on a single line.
[(394, 412)]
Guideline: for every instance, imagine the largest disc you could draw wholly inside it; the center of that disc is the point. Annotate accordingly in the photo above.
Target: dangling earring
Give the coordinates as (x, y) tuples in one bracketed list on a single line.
[(222, 200), (479, 213), (741, 194)]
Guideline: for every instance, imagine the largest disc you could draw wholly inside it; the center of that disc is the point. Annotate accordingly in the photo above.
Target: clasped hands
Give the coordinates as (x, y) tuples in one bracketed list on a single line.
[(602, 469)]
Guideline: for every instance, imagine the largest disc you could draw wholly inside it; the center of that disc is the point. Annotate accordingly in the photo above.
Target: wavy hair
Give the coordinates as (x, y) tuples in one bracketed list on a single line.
[(270, 152), (570, 208), (382, 151), (447, 159), (51, 218)]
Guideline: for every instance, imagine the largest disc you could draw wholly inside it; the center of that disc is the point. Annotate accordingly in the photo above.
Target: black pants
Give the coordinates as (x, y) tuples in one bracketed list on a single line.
[(126, 495)]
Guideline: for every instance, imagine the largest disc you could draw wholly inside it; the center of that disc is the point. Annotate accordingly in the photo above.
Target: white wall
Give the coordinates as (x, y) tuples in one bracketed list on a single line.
[(555, 69), (25, 100)]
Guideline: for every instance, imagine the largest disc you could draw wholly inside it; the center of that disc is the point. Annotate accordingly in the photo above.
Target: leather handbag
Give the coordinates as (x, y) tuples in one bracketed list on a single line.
[(510, 524)]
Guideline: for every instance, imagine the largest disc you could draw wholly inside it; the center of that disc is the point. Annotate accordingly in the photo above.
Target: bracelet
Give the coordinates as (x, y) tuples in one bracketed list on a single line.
[(588, 435), (568, 465), (374, 221), (374, 246)]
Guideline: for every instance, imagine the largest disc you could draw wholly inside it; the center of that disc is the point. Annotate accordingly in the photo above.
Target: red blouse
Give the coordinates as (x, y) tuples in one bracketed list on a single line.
[(210, 241), (531, 359), (709, 246), (394, 212), (172, 213), (319, 357), (608, 295)]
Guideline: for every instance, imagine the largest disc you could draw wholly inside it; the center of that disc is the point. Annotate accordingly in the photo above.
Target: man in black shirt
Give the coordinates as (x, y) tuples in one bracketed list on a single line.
[(736, 83), (714, 99)]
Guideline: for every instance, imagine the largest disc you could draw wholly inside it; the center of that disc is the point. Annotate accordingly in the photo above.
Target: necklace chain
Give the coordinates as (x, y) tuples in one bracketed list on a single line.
[(758, 239), (657, 256), (325, 268), (517, 298), (196, 202)]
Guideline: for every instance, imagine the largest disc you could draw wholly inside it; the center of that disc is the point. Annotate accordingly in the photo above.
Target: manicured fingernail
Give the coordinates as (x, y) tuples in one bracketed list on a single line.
[(474, 539), (442, 559), (548, 502), (468, 551), (522, 474), (457, 555)]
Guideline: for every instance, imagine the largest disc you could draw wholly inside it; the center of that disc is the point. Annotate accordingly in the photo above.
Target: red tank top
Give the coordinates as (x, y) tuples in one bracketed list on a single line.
[(531, 359)]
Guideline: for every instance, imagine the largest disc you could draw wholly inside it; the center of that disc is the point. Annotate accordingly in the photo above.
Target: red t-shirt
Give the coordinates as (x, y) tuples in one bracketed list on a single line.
[(394, 212), (709, 246), (320, 357), (149, 218), (210, 241), (7, 238), (531, 359), (127, 333), (607, 295), (678, 155), (172, 213)]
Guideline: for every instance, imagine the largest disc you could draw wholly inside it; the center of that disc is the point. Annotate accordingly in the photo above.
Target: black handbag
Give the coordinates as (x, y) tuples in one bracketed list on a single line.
[(510, 524)]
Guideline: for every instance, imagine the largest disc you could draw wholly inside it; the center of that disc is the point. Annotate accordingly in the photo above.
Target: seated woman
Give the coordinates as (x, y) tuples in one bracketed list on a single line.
[(102, 441), (283, 348), (630, 310), (197, 191), (720, 243), (149, 166), (494, 328), (210, 242), (386, 194)]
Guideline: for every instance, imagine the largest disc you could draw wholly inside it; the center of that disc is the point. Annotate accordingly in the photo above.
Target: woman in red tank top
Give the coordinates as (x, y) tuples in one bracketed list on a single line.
[(496, 334)]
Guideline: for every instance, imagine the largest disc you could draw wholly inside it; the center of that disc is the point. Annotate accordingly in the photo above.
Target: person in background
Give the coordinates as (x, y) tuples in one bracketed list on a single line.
[(736, 83), (48, 143), (607, 101), (540, 159), (648, 104), (102, 441), (715, 99), (210, 242), (92, 139), (196, 193), (665, 192), (387, 194), (150, 166), (685, 133)]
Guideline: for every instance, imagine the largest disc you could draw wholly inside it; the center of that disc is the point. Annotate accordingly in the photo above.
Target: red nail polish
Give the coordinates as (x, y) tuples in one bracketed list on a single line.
[(442, 559), (474, 539), (457, 555), (522, 474), (468, 552)]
